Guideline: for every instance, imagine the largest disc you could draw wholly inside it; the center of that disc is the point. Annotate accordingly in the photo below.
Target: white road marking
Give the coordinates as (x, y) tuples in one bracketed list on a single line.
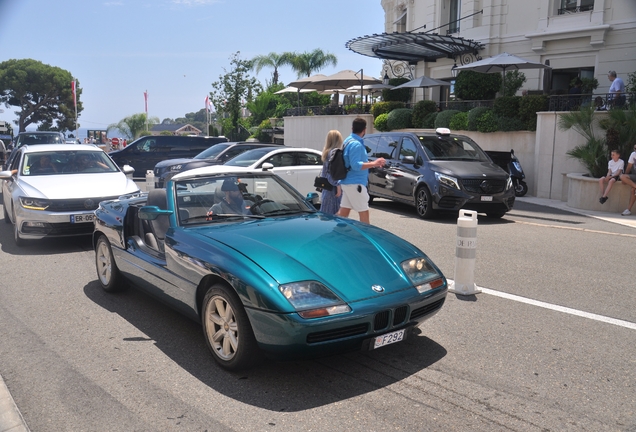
[(567, 310)]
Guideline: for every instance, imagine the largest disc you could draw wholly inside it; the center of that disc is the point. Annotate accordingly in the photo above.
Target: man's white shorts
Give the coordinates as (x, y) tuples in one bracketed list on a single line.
[(355, 197)]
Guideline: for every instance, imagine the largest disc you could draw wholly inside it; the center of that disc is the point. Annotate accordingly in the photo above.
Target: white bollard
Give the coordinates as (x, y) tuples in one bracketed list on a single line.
[(150, 180), (465, 252)]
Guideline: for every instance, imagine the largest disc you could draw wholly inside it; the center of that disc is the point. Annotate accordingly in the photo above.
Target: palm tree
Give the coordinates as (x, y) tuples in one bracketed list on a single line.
[(272, 60), (132, 126), (593, 155), (309, 62)]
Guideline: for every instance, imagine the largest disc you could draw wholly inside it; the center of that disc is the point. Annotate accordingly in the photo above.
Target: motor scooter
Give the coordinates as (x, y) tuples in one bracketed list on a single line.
[(510, 163)]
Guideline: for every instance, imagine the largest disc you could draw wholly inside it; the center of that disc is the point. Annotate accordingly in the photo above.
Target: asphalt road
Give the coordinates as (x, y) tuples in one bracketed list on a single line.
[(78, 359)]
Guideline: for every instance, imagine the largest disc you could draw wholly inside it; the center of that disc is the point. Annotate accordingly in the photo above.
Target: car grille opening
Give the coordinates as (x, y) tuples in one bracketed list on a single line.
[(339, 333), (399, 315), (425, 310), (381, 320), (80, 204), (450, 202), (484, 186)]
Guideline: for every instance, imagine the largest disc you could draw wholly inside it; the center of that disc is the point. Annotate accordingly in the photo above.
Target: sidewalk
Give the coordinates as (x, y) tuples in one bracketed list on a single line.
[(616, 218), (11, 419)]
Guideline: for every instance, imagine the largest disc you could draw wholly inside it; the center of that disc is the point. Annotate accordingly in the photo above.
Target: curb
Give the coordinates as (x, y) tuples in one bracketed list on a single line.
[(10, 417)]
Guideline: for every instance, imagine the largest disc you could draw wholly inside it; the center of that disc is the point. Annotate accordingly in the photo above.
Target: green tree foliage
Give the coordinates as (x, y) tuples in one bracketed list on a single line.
[(514, 81), (473, 116), (620, 130), (593, 155), (385, 107), (399, 95), (507, 106), (272, 60), (529, 106), (307, 63), (422, 109), (233, 90), (263, 107), (42, 94), (429, 120), (399, 118), (470, 85), (134, 126), (487, 122)]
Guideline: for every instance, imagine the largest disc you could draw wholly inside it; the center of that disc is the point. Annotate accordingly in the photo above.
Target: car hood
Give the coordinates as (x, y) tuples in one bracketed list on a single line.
[(468, 169), (347, 256), (77, 185)]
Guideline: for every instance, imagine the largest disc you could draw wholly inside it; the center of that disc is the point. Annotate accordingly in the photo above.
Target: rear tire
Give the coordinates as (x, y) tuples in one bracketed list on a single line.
[(227, 329), (424, 203), (108, 274), (521, 189)]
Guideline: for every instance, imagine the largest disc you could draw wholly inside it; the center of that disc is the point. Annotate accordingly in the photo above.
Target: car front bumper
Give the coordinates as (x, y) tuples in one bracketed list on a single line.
[(37, 224), (288, 336), (447, 198)]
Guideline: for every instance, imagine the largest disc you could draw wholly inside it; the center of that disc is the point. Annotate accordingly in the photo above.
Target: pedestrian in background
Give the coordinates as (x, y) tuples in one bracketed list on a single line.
[(629, 178), (355, 194), (614, 170), (616, 91), (330, 199)]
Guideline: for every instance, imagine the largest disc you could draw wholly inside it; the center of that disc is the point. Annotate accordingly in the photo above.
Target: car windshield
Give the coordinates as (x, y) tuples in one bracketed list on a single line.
[(66, 162), (248, 158), (452, 148), (38, 138), (234, 198), (212, 151)]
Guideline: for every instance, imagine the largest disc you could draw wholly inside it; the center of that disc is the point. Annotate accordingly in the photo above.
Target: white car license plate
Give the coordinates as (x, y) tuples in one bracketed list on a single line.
[(81, 218), (486, 198), (389, 338)]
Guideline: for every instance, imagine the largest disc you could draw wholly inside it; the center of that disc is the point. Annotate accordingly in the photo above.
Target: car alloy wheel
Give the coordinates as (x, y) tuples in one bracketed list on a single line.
[(107, 272), (424, 203), (227, 329)]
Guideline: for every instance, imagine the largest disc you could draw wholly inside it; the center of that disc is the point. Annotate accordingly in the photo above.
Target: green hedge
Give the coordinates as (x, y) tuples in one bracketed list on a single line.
[(422, 109), (473, 116), (487, 122), (380, 123), (399, 118), (459, 121), (385, 107), (507, 106), (528, 108), (444, 117), (509, 124), (429, 121), (471, 85)]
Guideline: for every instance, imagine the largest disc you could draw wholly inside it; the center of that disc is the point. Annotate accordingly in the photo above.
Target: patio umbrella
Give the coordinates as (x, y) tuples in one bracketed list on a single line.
[(291, 89), (343, 80), (422, 82), (303, 84), (502, 63)]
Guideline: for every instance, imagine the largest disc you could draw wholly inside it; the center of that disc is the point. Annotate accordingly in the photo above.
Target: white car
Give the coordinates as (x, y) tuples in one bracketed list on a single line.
[(53, 190), (297, 166)]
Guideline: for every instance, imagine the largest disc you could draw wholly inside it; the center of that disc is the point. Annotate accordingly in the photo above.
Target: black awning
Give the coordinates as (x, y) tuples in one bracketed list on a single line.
[(413, 47)]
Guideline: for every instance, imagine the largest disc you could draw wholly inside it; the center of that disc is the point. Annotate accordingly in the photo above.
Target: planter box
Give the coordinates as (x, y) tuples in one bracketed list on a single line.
[(583, 193)]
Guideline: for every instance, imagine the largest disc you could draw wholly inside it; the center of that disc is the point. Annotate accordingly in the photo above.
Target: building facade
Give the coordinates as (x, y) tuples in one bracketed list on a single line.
[(577, 38)]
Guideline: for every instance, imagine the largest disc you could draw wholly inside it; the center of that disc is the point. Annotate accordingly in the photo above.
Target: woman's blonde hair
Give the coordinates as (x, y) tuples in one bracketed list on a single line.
[(334, 139)]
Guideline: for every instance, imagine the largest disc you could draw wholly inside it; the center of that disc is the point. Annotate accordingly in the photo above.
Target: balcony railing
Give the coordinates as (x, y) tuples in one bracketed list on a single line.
[(602, 101)]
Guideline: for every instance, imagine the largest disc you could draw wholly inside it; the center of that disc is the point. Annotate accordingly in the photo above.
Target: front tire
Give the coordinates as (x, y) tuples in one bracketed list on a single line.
[(227, 329), (108, 274), (521, 188), (424, 203)]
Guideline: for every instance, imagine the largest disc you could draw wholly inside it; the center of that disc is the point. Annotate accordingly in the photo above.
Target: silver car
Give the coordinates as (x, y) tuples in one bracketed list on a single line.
[(53, 190)]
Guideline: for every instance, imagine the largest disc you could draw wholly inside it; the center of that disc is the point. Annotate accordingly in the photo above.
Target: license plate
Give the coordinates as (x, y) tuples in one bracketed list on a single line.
[(486, 198), (81, 218), (389, 338)]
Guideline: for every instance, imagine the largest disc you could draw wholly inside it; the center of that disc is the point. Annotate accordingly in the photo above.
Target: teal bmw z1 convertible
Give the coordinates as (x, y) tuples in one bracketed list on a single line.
[(248, 257)]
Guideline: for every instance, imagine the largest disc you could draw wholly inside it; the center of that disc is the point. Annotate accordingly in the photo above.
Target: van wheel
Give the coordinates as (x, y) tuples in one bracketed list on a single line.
[(424, 203)]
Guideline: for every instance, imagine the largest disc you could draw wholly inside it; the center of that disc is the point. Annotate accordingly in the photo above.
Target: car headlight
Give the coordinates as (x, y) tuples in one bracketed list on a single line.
[(447, 180), (509, 183), (422, 274), (34, 203), (312, 299), (175, 167)]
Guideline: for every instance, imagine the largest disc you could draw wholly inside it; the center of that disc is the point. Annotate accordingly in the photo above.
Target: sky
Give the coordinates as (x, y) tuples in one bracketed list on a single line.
[(175, 49)]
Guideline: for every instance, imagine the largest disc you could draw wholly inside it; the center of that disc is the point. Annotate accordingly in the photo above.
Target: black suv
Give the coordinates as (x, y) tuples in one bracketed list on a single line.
[(218, 154), (34, 138), (438, 171), (146, 152)]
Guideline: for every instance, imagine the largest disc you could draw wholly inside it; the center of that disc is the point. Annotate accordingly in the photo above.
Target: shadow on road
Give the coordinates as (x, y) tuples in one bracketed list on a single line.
[(277, 386)]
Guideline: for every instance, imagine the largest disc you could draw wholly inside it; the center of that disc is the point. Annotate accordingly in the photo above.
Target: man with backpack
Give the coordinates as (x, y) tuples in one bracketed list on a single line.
[(354, 186)]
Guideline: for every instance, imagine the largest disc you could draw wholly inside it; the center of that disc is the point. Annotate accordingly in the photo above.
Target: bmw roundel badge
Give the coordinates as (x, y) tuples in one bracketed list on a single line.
[(378, 288)]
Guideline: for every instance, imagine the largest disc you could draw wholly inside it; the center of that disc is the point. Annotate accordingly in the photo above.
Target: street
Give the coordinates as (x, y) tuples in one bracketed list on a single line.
[(78, 359)]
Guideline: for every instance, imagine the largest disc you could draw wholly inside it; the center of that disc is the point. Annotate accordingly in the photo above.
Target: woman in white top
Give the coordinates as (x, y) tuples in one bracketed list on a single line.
[(614, 170)]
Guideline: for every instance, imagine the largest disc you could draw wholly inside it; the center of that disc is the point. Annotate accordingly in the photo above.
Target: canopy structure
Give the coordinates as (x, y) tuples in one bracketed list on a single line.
[(413, 47), (422, 82)]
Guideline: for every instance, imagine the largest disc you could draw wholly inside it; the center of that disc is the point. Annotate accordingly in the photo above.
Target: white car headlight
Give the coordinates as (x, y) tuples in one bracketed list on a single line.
[(34, 203), (422, 274), (447, 180), (312, 299)]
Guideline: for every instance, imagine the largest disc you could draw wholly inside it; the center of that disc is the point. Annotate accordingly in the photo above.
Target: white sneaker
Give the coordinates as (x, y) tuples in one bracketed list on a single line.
[(626, 213)]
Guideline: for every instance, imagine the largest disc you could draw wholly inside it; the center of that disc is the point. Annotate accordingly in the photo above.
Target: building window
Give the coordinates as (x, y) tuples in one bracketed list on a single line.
[(573, 6), (454, 11), (400, 23)]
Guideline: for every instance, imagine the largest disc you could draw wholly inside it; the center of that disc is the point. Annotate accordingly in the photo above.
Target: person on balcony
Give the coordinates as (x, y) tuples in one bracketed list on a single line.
[(616, 95)]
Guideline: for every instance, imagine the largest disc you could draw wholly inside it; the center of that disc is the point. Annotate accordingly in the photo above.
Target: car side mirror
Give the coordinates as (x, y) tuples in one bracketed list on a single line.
[(267, 166), (152, 212), (5, 175), (409, 160), (312, 198), (127, 169)]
